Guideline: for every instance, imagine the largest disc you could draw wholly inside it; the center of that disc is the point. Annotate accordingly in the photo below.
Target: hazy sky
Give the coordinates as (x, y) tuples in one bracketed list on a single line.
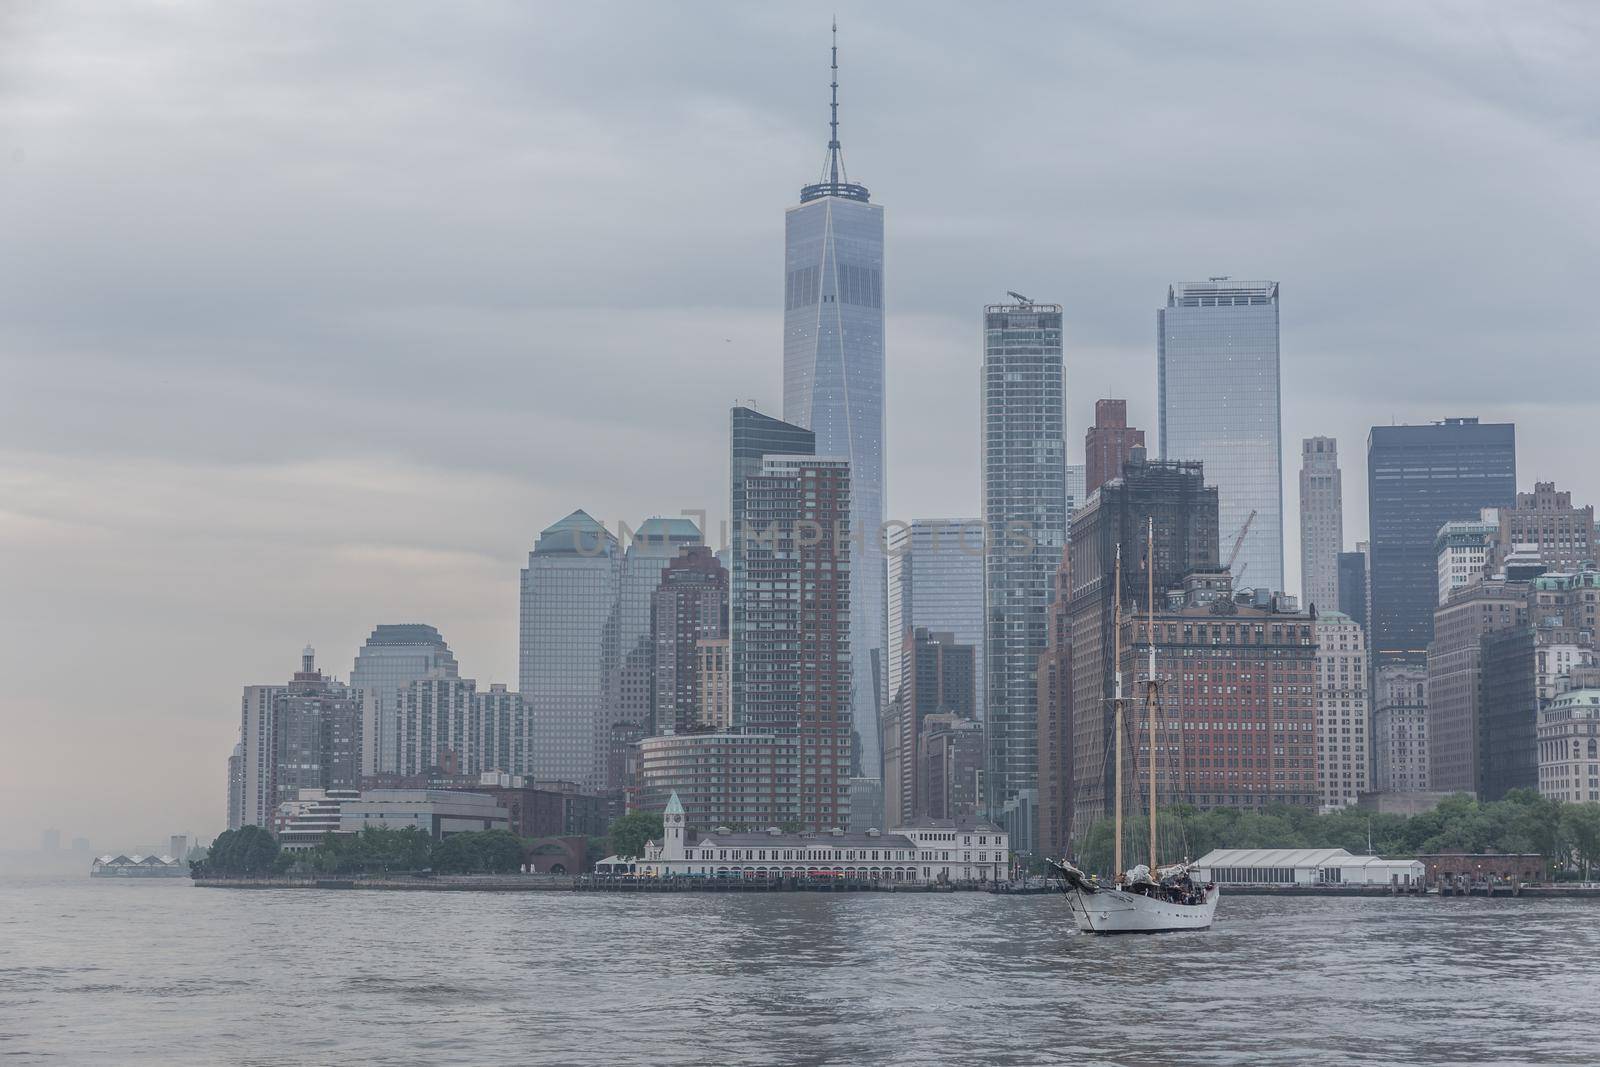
[(312, 315)]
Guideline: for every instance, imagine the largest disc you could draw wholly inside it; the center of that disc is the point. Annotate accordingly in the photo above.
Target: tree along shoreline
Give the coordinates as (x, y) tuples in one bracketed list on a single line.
[(253, 852), (1566, 834)]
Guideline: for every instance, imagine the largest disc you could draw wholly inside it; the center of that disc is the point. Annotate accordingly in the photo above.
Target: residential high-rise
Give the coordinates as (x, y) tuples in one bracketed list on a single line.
[(1465, 549), (1564, 535), (1418, 479), (1400, 728), (568, 649), (1107, 444), (689, 608), (936, 583), (1024, 468), (1184, 510), (833, 384), (726, 778), (258, 760), (317, 733), (1343, 685), (714, 679), (1218, 393), (1055, 722), (752, 437), (647, 554), (303, 735), (939, 679), (794, 649), (1353, 585), (1321, 523), (448, 727), (395, 655)]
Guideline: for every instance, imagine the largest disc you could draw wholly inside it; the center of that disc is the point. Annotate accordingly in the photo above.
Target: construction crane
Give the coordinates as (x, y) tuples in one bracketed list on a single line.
[(1238, 542), (1018, 297)]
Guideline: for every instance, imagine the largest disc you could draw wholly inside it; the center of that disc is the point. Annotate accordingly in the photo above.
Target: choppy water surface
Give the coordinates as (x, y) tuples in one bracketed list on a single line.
[(161, 972)]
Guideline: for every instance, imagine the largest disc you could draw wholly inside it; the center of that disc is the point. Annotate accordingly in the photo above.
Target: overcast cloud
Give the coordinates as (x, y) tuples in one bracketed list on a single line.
[(312, 315)]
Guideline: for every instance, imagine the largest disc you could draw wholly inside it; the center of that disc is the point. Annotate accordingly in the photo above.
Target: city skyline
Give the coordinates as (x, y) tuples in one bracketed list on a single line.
[(184, 526)]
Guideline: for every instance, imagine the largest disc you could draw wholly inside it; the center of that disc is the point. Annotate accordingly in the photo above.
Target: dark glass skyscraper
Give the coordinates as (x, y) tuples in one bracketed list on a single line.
[(1419, 478), (833, 375), (1352, 586)]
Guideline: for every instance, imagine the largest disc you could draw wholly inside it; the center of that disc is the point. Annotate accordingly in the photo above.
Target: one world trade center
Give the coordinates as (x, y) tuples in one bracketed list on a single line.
[(833, 385)]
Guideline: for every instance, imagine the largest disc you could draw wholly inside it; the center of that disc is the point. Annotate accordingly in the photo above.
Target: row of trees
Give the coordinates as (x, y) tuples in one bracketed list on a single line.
[(247, 851), (251, 851), (1566, 835)]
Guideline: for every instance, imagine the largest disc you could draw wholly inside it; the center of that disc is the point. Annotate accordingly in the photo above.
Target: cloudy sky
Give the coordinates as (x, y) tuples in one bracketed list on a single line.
[(312, 315)]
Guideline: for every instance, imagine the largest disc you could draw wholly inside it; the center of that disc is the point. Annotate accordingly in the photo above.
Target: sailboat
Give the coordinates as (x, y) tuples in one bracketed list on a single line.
[(1148, 898)]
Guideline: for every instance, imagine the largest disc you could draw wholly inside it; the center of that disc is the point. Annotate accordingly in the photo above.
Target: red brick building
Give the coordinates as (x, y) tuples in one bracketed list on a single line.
[(1237, 717), (1108, 443), (1055, 722)]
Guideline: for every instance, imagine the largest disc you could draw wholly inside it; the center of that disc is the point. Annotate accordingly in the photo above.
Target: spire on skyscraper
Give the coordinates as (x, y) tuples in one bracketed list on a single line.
[(835, 181), (835, 160)]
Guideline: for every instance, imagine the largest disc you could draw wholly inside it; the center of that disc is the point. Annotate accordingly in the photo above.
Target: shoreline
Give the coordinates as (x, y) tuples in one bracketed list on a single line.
[(564, 884)]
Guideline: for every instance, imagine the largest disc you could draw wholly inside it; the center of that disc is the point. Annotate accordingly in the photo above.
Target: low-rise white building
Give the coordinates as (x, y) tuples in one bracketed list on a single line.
[(1304, 867), (928, 850)]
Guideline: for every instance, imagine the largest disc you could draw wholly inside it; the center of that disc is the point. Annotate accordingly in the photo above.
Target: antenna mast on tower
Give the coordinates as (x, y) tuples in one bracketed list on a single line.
[(833, 116)]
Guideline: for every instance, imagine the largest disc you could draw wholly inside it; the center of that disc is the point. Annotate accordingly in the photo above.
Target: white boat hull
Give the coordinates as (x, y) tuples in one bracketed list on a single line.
[(1114, 911)]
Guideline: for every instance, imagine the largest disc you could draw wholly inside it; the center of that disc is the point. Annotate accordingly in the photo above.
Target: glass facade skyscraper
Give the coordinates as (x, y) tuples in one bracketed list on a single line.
[(568, 649), (395, 655), (1418, 479), (1218, 394), (936, 584), (833, 384), (1024, 464), (648, 553)]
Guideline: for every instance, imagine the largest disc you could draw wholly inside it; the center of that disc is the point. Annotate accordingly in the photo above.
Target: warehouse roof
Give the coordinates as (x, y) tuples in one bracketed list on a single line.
[(1289, 857)]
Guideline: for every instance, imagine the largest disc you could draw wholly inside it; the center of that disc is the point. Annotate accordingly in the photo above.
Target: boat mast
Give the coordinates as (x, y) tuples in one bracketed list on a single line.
[(1150, 674), (1116, 703)]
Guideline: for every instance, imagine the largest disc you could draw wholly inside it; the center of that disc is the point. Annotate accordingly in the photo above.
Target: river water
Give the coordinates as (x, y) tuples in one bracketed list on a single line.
[(162, 972)]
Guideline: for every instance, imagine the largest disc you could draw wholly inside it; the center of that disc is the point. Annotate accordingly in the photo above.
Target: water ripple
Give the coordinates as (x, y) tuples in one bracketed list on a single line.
[(164, 973)]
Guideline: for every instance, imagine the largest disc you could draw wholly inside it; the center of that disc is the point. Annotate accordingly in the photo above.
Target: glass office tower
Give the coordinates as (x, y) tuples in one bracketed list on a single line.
[(395, 655), (569, 648), (1024, 464), (936, 584), (1418, 479), (1217, 380), (833, 384)]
